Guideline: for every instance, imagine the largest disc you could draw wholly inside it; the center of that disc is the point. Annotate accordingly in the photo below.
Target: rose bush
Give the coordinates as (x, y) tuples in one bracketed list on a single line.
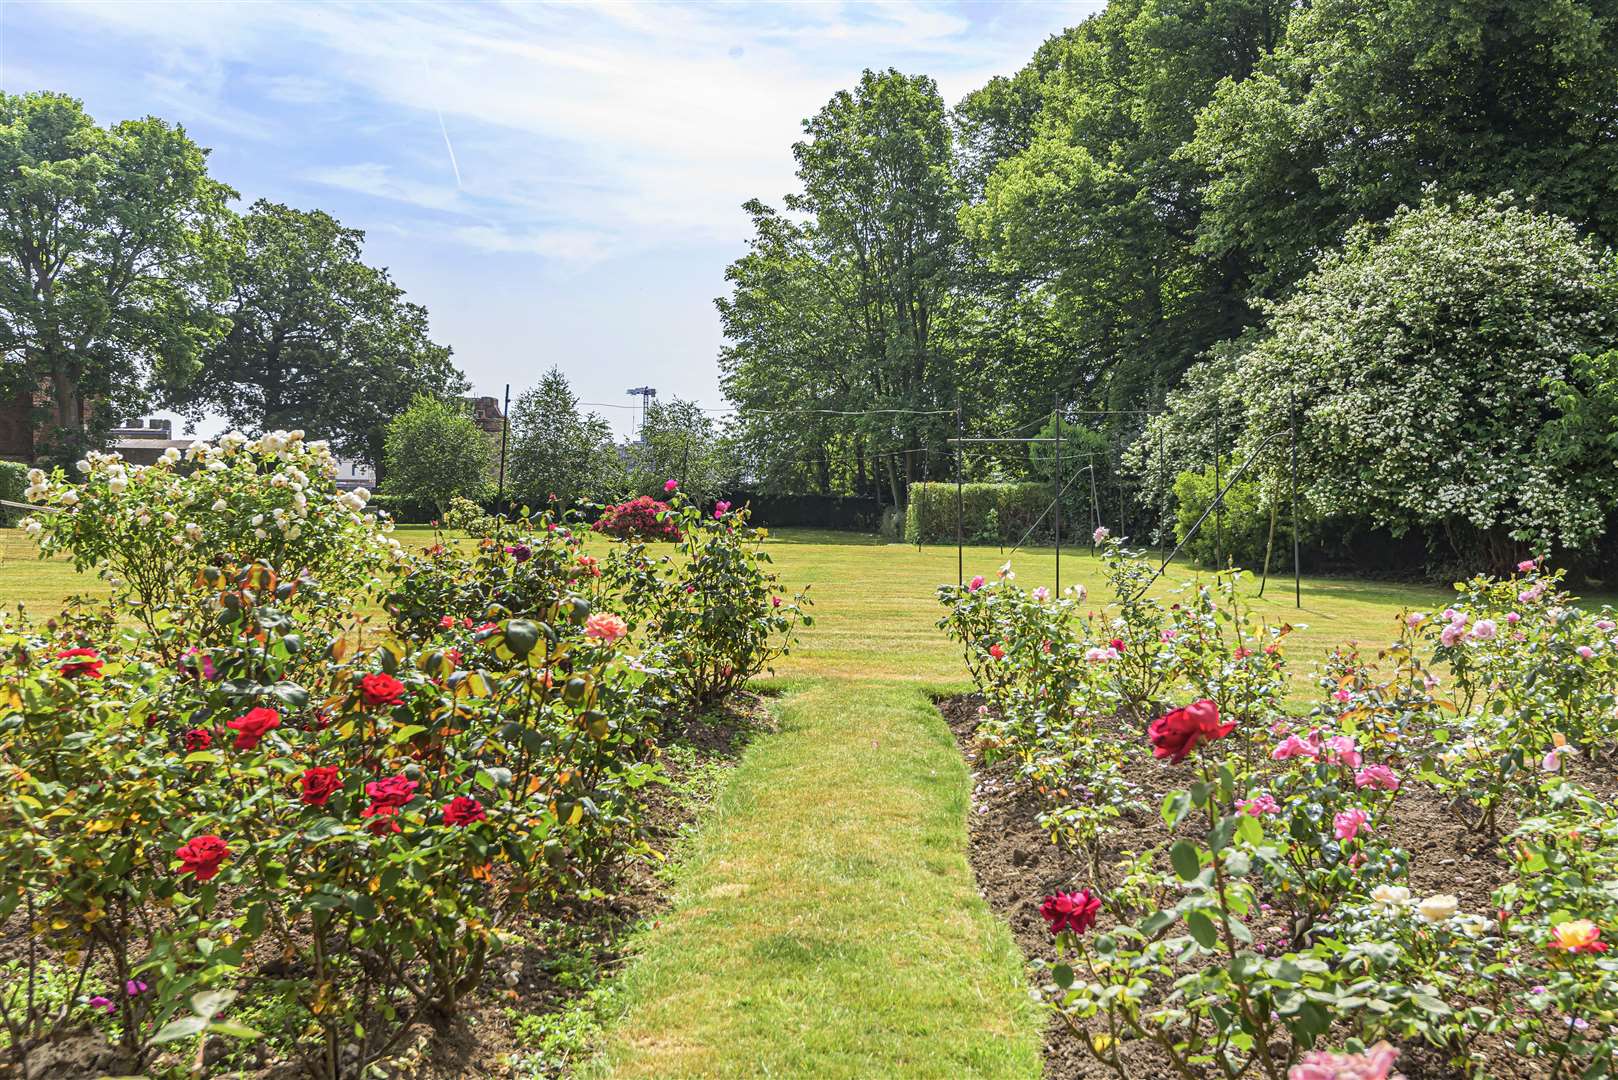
[(250, 797), (1274, 929)]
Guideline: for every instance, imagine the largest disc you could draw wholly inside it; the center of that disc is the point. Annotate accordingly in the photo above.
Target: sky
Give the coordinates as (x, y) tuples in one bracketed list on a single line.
[(559, 184)]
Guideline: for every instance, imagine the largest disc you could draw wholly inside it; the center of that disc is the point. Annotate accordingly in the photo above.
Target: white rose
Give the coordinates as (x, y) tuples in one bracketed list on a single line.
[(1390, 898), (70, 497), (216, 466), (36, 477), (169, 517), (261, 534), (32, 527), (220, 506), (118, 485), (193, 530), (362, 495), (1437, 908)]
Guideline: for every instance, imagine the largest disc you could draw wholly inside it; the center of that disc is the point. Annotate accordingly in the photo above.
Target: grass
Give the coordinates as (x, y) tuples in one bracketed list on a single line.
[(824, 919)]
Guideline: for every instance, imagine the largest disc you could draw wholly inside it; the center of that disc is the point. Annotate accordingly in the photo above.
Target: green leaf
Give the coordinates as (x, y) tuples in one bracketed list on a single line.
[(209, 1003), (1202, 929), (234, 1030), (1187, 861), (183, 1028)]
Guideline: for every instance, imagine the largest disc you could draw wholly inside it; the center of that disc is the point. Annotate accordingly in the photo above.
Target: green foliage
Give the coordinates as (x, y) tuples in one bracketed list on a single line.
[(842, 301), (1241, 533), (1361, 105), (13, 484), (557, 452), (434, 451), (318, 339), (931, 514), (1437, 366), (679, 441), (111, 245)]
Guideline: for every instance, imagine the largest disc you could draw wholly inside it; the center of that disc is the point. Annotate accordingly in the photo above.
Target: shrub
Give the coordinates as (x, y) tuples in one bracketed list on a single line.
[(151, 530), (930, 514), (1242, 532), (1275, 909), (719, 616), (640, 518)]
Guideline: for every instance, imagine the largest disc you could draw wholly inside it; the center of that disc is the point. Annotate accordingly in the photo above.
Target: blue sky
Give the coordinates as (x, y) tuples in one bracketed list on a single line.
[(557, 183)]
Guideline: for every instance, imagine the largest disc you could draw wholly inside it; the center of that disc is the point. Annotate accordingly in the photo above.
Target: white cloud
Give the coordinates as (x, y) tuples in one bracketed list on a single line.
[(580, 130)]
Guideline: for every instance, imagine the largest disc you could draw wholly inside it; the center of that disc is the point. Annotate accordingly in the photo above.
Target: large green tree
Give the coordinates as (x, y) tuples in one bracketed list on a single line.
[(557, 452), (1367, 102), (1086, 226), (435, 451), (111, 244), (1450, 375), (318, 339), (843, 304), (681, 442)]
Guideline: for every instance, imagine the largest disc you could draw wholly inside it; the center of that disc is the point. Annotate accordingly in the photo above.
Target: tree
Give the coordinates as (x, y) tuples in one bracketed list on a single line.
[(1447, 368), (318, 340), (678, 441), (845, 306), (111, 243), (1364, 104), (557, 452), (1086, 226), (434, 451)]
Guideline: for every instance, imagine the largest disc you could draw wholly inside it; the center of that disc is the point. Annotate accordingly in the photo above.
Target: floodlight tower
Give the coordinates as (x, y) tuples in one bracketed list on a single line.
[(646, 394)]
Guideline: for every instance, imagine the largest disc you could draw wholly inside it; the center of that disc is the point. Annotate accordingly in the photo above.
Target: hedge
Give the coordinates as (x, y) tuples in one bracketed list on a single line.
[(13, 482), (991, 513)]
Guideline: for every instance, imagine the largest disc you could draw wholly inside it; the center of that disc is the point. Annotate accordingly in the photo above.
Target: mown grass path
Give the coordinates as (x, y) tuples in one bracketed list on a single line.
[(825, 922)]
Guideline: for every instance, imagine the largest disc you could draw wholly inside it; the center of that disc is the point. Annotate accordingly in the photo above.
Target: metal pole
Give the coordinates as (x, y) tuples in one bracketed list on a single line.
[(1095, 506), (1058, 497), (1162, 495), (1297, 571), (505, 429), (1219, 503), (960, 501)]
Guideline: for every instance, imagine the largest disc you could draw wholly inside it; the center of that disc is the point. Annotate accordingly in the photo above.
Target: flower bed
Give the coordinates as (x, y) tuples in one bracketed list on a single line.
[(1418, 862), (252, 814)]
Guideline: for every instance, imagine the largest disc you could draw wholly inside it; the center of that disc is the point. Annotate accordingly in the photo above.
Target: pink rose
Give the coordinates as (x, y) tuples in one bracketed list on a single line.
[(1295, 747), (1260, 804), (1347, 824), (671, 486), (1343, 747), (1525, 566), (1484, 630), (975, 584), (1376, 776)]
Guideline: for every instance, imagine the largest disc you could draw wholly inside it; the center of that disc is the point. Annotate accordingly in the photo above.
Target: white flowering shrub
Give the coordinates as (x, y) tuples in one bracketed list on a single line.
[(152, 530)]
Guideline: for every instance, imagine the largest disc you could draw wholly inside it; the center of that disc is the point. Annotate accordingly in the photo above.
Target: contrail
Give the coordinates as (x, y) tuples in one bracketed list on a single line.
[(452, 162)]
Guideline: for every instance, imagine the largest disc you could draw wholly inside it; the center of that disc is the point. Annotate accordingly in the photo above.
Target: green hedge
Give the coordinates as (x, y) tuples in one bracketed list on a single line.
[(992, 513), (13, 482)]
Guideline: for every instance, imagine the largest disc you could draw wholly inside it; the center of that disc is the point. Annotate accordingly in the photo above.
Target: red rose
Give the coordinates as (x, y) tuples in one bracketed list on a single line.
[(319, 784), (463, 810), (392, 791), (381, 815), (381, 690), (447, 622), (1117, 644), (997, 651), (80, 662), (198, 739), (1176, 734), (1075, 911), (201, 856), (253, 726)]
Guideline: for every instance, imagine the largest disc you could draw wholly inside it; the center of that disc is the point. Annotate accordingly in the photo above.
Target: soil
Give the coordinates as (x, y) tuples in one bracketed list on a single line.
[(539, 979), (1017, 866)]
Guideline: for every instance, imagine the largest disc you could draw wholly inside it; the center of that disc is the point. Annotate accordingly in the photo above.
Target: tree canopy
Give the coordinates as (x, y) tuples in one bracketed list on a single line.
[(435, 451), (318, 339), (112, 244), (558, 453)]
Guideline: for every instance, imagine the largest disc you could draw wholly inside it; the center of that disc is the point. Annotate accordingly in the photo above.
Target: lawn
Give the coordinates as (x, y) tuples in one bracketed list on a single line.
[(824, 922)]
